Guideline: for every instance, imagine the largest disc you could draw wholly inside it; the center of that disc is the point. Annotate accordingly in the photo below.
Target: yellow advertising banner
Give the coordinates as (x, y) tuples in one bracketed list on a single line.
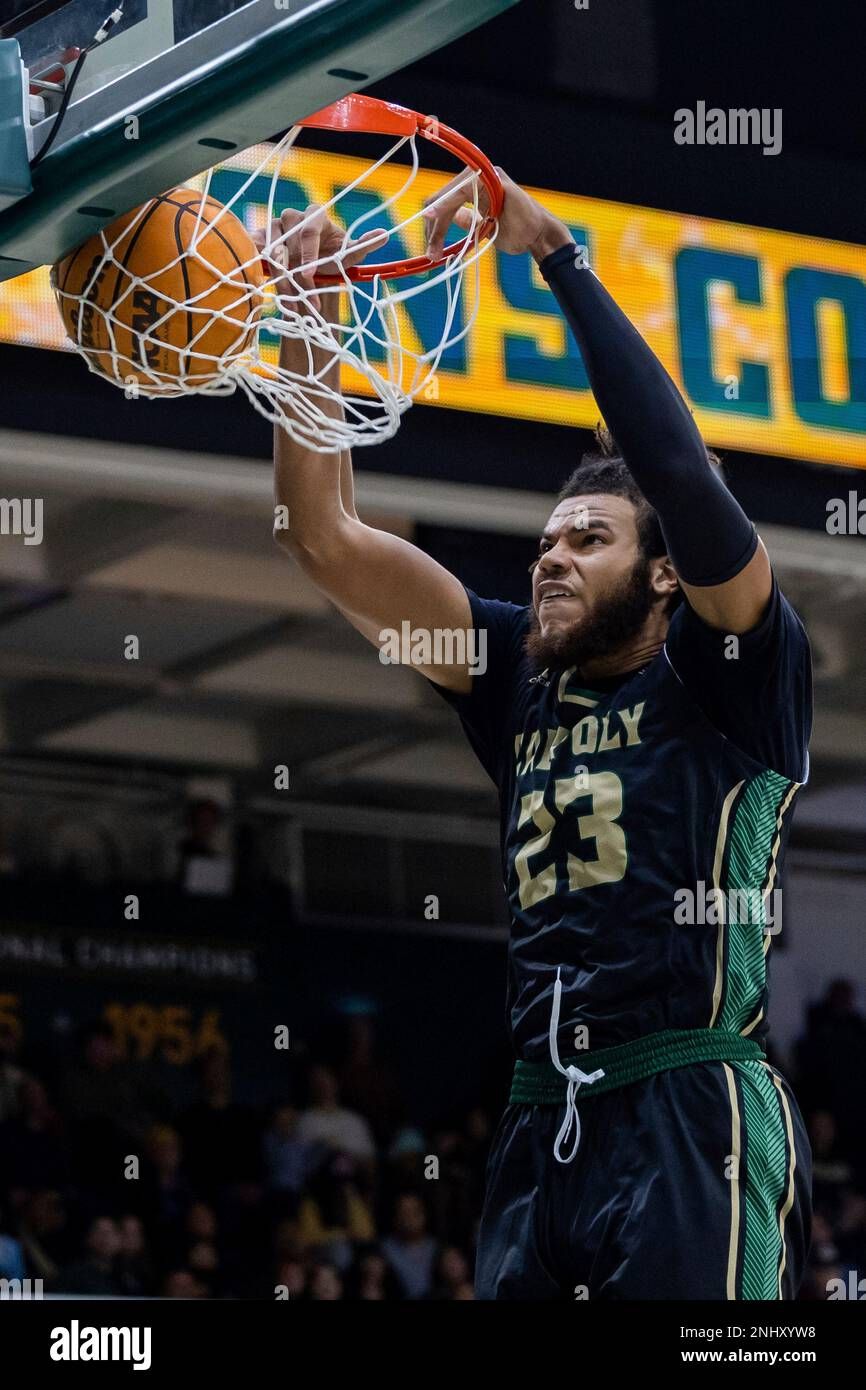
[(763, 331)]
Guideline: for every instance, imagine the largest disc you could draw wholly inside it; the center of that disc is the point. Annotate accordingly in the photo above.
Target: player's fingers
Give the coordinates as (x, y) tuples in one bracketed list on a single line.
[(441, 210), (269, 235), (283, 233), (260, 240), (370, 241), (438, 221), (296, 235), (344, 252), (280, 250), (271, 244), (467, 218), (309, 237), (437, 224), (461, 181)]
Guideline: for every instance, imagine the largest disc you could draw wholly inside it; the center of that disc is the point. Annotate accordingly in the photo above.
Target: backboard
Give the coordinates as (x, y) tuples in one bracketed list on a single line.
[(175, 86)]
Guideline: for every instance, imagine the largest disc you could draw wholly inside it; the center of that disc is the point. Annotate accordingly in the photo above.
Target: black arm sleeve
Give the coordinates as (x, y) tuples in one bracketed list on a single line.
[(708, 535)]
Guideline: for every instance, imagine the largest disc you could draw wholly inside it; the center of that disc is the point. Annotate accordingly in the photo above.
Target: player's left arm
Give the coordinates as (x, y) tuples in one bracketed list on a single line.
[(718, 558), (737, 605), (722, 566)]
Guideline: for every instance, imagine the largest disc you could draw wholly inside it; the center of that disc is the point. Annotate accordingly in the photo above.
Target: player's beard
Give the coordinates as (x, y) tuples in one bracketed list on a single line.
[(613, 621)]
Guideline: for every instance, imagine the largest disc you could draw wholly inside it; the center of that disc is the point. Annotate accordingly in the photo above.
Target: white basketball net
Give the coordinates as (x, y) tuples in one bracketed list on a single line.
[(362, 326)]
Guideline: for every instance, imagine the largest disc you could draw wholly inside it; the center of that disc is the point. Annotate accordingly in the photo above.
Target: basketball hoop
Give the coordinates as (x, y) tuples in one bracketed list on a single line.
[(353, 315), (368, 115)]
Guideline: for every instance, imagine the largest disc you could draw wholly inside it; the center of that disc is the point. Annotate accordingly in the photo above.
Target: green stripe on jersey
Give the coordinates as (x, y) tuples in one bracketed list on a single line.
[(766, 1169), (751, 838)]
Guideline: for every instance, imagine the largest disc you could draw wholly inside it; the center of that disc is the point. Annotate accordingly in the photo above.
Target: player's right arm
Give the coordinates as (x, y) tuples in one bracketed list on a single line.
[(377, 580)]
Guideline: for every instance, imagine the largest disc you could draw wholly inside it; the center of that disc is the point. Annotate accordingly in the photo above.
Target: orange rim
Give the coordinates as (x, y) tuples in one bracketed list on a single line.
[(370, 116)]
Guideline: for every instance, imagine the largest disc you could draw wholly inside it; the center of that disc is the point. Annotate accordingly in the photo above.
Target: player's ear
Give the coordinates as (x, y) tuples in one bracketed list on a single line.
[(663, 576)]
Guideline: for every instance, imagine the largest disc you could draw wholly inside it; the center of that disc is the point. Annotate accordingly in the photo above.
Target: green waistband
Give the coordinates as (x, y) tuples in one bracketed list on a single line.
[(539, 1083)]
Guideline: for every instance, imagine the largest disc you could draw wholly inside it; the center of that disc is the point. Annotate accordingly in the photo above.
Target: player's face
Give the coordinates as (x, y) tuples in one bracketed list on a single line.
[(587, 551), (592, 587)]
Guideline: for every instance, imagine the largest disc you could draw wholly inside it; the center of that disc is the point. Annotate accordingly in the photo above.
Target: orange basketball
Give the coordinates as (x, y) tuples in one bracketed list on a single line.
[(147, 316)]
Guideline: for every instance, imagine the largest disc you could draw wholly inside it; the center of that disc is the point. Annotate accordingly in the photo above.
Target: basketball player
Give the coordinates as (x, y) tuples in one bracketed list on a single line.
[(646, 721)]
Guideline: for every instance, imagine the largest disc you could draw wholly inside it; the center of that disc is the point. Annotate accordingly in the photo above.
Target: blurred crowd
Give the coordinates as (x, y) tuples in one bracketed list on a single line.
[(325, 1195), (829, 1076), (329, 1194)]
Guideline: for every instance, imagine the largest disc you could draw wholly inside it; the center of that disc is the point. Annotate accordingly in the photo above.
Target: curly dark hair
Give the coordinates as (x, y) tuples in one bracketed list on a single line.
[(603, 469)]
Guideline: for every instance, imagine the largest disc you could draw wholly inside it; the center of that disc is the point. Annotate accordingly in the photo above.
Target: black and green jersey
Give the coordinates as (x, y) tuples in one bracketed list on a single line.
[(643, 825)]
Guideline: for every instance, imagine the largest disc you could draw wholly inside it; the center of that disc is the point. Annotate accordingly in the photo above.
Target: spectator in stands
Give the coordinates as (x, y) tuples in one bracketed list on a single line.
[(452, 1209), (409, 1249), (327, 1122), (221, 1137), (334, 1214), (326, 1286), (291, 1277), (201, 1223), (11, 1075), (371, 1279), (224, 1147), (201, 1248), (134, 1266), (823, 1265), (406, 1155), (288, 1158), (287, 1257), (94, 1272), (836, 1029), (182, 1283), (850, 1231), (451, 1274), (367, 1081), (465, 1293), (11, 1252), (832, 1174), (286, 1241), (32, 1152), (477, 1133), (108, 1108), (205, 864), (203, 1260), (164, 1192), (43, 1230)]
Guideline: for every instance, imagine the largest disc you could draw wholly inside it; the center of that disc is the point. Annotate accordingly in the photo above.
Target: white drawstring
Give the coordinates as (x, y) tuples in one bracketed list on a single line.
[(576, 1079)]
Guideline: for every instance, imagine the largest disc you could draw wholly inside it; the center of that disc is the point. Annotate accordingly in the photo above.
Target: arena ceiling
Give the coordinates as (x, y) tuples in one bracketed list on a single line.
[(243, 665)]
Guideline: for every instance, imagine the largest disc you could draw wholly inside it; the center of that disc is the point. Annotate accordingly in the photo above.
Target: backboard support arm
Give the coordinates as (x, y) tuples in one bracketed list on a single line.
[(237, 97)]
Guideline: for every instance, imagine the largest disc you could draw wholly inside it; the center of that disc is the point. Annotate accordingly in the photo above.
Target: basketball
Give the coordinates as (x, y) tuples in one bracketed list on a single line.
[(166, 297)]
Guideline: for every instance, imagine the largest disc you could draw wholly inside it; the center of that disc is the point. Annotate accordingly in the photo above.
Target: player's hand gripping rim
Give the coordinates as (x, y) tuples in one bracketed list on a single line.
[(524, 225), (301, 247)]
